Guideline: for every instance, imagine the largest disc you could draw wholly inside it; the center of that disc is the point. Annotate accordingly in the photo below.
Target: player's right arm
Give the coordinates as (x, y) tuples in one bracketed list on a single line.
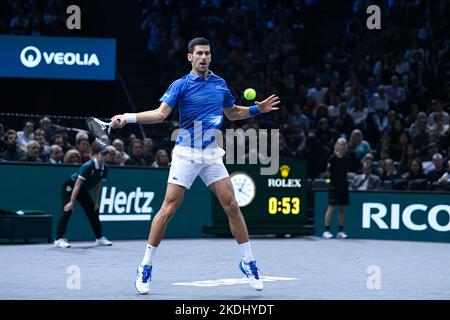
[(74, 195), (146, 117)]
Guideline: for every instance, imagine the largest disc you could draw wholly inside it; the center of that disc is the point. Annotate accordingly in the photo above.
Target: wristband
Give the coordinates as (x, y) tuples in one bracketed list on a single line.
[(254, 111), (130, 117)]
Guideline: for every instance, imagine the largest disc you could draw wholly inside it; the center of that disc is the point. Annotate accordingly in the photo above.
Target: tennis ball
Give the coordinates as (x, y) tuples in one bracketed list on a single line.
[(250, 94)]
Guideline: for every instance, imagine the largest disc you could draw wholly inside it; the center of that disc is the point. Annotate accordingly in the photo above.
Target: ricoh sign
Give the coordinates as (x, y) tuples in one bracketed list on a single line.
[(393, 215), (57, 57)]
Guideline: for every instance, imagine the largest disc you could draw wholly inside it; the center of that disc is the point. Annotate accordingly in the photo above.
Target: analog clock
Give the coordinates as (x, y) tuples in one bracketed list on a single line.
[(244, 188)]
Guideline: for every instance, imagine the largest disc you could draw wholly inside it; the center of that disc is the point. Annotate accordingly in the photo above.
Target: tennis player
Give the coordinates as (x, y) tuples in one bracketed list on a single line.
[(202, 98), (76, 188)]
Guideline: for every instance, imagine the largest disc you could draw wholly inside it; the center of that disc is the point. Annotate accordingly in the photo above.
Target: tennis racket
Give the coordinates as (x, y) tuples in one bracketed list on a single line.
[(100, 130)]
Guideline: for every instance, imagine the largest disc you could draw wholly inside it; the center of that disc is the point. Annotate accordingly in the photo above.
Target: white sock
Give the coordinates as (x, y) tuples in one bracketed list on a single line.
[(148, 256), (246, 252)]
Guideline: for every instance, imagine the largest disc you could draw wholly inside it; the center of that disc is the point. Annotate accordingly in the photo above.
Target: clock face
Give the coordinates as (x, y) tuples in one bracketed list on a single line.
[(244, 188)]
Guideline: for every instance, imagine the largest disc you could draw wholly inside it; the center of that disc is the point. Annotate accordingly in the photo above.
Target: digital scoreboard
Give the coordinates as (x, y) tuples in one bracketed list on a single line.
[(274, 204)]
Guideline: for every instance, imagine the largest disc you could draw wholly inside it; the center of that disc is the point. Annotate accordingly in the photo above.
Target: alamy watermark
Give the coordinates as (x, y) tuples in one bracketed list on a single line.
[(74, 20), (73, 281), (374, 278)]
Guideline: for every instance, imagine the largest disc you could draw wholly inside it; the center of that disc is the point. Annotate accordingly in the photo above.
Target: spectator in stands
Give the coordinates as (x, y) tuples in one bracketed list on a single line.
[(46, 124), (135, 152), (12, 151), (389, 171), (26, 135), (397, 150), (367, 180), (120, 147), (20, 23), (32, 154), (421, 139), (438, 168), (118, 158), (438, 127), (324, 135), (72, 156), (62, 132), (412, 115), (414, 128), (417, 180), (408, 155), (438, 109), (55, 154), (344, 123), (43, 145), (360, 113), (379, 101), (299, 117), (368, 157), (161, 160), (111, 155), (317, 92), (358, 145), (59, 141), (83, 146), (338, 167), (427, 160), (445, 179), (394, 92), (147, 150)]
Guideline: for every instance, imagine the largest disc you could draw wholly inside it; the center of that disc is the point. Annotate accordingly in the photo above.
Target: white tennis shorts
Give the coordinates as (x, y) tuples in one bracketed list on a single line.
[(188, 163)]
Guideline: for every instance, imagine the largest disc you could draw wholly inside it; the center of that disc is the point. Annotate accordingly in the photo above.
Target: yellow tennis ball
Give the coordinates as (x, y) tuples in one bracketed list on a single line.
[(250, 94), (327, 180)]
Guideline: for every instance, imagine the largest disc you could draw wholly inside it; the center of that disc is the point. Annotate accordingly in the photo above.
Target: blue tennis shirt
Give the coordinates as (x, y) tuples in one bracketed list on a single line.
[(201, 102)]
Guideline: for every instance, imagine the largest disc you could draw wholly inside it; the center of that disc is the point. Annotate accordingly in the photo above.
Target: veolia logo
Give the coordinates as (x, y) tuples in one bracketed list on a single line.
[(32, 56), (29, 60)]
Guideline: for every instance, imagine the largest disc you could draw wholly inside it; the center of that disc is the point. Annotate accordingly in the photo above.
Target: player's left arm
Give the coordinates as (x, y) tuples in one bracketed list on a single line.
[(241, 112)]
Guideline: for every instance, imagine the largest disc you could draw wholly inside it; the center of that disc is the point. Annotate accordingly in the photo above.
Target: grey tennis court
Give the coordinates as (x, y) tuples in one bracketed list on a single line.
[(293, 268)]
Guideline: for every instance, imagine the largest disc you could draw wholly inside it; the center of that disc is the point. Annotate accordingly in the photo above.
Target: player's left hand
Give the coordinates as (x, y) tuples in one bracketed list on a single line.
[(268, 104)]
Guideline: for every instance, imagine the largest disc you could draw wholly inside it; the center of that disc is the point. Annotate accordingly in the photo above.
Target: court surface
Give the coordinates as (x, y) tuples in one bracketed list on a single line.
[(191, 269)]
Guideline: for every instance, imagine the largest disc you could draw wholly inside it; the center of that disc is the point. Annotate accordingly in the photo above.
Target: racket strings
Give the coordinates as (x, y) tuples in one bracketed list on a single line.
[(99, 131)]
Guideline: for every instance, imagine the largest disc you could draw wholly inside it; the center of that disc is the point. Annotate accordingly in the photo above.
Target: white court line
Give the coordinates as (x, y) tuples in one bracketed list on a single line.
[(125, 217), (228, 282)]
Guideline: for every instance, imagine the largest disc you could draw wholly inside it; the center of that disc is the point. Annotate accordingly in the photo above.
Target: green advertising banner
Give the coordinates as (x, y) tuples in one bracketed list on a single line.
[(391, 216), (128, 200), (271, 204)]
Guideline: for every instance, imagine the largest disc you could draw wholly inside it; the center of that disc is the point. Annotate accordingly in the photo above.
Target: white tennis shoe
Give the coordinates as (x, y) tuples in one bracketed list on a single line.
[(103, 242), (342, 235), (252, 272), (327, 235), (61, 243), (143, 278)]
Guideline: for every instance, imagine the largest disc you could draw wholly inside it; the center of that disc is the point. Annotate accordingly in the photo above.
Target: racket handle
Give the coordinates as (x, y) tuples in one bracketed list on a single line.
[(118, 121)]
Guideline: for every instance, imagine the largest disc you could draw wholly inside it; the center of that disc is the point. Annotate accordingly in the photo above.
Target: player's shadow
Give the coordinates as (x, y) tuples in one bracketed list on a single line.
[(84, 247)]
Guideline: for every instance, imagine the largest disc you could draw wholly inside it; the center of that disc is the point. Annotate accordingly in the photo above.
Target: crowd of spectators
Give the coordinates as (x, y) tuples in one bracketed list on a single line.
[(45, 142), (33, 17), (386, 91)]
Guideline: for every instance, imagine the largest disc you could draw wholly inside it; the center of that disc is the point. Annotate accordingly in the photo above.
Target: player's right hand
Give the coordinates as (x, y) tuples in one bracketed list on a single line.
[(118, 121)]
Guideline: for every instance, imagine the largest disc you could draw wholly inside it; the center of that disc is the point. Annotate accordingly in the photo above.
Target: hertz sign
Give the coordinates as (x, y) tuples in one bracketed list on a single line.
[(57, 57)]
